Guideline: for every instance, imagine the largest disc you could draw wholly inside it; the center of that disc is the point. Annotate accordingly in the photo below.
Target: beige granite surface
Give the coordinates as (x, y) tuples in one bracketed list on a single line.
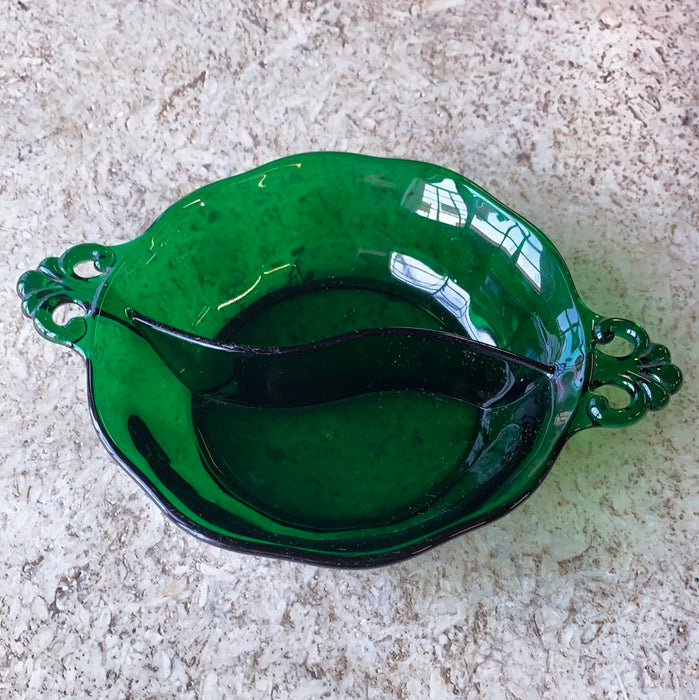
[(581, 116)]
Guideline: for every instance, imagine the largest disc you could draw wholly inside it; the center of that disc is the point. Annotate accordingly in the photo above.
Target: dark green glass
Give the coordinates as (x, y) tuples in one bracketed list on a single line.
[(340, 359)]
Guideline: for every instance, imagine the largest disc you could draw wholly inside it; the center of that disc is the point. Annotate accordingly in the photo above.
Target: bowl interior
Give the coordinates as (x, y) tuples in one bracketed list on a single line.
[(303, 250)]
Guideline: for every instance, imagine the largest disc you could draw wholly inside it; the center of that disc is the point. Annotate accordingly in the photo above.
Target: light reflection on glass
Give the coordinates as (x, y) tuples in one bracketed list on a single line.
[(443, 202), (255, 284), (572, 356), (448, 294), (570, 325), (438, 201), (506, 233)]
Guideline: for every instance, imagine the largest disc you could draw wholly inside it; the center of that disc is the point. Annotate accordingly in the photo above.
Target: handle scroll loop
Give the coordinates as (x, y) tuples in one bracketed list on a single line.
[(646, 373), (55, 283)]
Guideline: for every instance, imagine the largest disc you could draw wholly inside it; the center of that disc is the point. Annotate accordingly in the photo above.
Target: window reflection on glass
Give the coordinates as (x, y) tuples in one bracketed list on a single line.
[(569, 320), (506, 233), (438, 201), (570, 325), (443, 202), (455, 299)]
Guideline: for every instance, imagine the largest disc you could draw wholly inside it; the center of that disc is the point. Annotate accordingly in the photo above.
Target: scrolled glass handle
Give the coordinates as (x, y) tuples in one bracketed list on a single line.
[(55, 282), (646, 373)]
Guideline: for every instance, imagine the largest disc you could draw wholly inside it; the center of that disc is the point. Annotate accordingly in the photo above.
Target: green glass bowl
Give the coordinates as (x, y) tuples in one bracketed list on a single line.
[(340, 359)]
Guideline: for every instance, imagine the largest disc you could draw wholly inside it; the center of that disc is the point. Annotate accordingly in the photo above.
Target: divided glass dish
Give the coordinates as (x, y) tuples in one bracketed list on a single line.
[(340, 359)]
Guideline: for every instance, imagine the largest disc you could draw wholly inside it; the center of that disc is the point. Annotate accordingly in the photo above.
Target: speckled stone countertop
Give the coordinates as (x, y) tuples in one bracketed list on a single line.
[(581, 116)]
